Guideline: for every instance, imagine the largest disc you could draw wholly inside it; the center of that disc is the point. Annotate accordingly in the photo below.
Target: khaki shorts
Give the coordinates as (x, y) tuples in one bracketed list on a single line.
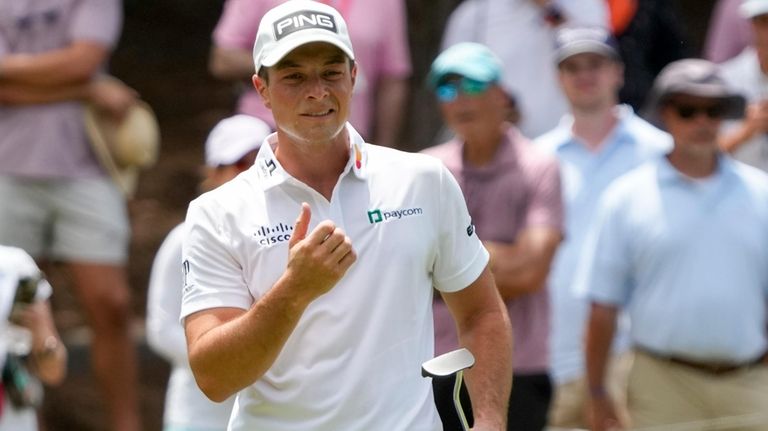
[(72, 220), (663, 393)]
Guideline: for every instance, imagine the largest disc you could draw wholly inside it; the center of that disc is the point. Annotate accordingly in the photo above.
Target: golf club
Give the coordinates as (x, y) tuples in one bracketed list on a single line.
[(454, 362)]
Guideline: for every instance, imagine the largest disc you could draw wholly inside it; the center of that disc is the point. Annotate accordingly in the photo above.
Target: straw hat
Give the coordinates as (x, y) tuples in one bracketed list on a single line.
[(126, 147)]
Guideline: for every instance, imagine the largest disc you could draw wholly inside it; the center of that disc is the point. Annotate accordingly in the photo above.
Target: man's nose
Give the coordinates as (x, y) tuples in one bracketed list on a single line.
[(317, 88)]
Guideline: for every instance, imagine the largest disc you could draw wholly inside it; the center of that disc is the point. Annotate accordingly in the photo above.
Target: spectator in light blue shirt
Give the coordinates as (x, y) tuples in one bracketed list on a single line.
[(597, 141), (682, 244)]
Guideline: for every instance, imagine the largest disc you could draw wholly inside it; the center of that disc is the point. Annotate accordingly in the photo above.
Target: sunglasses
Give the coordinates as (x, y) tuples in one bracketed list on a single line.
[(686, 112), (448, 91)]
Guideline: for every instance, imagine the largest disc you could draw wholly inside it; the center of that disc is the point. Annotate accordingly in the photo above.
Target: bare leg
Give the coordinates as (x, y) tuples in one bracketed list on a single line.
[(105, 296)]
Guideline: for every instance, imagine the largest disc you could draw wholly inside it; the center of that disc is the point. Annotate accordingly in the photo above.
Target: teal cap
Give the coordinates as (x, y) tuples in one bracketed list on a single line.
[(472, 60)]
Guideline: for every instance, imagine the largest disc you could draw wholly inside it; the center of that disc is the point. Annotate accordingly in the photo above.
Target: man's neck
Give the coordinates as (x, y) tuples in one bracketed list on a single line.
[(694, 165), (318, 165), (762, 59), (592, 127), (481, 149)]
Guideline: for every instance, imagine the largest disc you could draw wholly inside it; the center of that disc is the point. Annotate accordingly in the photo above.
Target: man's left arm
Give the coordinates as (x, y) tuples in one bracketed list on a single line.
[(522, 267), (483, 327), (93, 30), (105, 92)]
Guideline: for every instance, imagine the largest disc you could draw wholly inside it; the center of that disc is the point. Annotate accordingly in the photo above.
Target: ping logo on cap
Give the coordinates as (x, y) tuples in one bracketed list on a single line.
[(303, 20)]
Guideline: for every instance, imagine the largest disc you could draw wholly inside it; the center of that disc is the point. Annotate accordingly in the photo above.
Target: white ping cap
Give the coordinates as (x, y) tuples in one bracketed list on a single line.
[(752, 8), (295, 23)]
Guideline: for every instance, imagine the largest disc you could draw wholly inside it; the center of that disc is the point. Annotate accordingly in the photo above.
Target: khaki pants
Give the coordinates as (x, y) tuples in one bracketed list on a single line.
[(664, 393), (570, 401)]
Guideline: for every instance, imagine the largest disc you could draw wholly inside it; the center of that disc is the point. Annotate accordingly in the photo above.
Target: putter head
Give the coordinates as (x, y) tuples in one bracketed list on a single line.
[(448, 363)]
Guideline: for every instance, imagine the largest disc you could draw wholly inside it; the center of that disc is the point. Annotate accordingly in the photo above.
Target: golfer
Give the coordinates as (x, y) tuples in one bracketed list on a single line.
[(309, 278)]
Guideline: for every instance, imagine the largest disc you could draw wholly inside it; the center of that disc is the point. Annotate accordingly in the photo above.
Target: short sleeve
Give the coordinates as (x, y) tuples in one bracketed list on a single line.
[(604, 269), (213, 274), (459, 27), (585, 12), (164, 334), (239, 23), (461, 256), (97, 21), (396, 60)]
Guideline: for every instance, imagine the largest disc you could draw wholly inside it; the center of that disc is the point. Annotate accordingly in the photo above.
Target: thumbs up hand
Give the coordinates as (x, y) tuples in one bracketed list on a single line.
[(317, 260)]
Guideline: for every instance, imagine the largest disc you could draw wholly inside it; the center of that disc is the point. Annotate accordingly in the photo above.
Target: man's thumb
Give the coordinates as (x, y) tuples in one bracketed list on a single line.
[(302, 225)]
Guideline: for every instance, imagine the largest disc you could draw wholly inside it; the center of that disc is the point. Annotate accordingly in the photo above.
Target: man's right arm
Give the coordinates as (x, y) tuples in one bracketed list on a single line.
[(230, 348), (76, 63), (601, 327), (231, 57)]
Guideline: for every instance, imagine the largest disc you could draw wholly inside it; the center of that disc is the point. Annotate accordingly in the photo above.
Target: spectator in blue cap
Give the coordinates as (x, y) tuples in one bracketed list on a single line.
[(513, 195)]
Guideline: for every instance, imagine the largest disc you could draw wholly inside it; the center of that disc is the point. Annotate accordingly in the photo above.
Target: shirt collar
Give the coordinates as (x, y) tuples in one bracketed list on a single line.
[(271, 173), (619, 134), (669, 174)]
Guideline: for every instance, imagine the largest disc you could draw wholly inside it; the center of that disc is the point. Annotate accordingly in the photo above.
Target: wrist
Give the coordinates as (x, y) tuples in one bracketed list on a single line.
[(47, 349), (598, 392)]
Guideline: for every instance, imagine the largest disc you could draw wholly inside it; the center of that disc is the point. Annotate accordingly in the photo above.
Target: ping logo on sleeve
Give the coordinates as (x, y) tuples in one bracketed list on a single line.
[(303, 20), (185, 270)]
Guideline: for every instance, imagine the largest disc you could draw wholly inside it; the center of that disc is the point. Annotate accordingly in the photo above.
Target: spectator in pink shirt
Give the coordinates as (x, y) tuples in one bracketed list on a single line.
[(513, 195), (378, 30), (57, 202), (728, 33)]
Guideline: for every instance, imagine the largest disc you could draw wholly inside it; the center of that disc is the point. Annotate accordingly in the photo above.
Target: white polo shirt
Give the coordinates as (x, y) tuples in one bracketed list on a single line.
[(354, 360)]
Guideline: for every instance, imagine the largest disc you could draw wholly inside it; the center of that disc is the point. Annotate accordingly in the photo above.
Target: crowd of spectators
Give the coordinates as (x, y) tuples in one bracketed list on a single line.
[(616, 180)]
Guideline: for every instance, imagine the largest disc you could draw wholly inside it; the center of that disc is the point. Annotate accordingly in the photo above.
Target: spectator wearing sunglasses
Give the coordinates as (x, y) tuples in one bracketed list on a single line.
[(513, 194), (680, 243), (597, 141)]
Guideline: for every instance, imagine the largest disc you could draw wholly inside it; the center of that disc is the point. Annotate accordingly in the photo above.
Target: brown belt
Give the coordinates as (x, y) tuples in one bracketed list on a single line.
[(716, 368)]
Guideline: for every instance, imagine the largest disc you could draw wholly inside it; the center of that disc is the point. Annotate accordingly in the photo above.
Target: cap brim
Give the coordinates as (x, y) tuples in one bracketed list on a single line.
[(466, 70), (734, 105), (298, 40), (752, 9), (584, 48)]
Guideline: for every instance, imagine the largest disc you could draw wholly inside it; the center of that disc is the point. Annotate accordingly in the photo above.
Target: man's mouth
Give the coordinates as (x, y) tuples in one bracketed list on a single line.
[(318, 114)]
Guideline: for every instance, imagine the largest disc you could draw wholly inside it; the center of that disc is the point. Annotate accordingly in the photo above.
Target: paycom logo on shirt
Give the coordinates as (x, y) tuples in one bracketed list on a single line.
[(379, 215)]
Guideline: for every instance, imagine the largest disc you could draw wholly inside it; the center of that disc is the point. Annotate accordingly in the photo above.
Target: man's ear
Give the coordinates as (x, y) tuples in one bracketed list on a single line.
[(353, 73), (261, 87)]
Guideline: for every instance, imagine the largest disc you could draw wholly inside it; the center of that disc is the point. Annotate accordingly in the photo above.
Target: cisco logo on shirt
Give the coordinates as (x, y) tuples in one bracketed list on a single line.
[(378, 215), (271, 235)]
